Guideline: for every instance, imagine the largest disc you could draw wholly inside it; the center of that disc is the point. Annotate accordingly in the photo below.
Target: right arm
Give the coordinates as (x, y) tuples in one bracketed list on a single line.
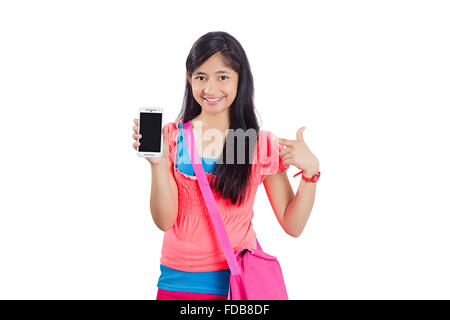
[(164, 191), (164, 196)]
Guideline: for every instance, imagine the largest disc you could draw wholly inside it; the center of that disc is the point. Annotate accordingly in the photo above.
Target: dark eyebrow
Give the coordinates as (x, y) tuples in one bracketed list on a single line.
[(199, 72)]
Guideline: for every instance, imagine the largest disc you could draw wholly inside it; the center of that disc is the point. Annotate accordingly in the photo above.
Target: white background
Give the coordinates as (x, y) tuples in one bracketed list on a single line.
[(369, 80)]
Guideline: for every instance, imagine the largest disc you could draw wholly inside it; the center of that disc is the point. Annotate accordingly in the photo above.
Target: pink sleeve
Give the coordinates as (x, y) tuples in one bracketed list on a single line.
[(172, 136), (269, 160)]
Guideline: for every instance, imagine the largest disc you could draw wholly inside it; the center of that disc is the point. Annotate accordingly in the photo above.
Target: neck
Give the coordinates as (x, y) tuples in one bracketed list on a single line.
[(219, 121)]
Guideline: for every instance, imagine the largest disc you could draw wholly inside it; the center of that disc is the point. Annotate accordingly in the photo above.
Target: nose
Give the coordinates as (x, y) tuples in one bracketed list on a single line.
[(210, 88)]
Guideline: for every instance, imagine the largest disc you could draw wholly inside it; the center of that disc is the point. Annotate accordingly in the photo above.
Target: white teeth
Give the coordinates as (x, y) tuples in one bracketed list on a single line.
[(213, 99)]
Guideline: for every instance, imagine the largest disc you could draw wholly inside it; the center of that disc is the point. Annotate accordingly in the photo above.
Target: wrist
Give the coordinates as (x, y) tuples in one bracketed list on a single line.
[(308, 173), (162, 164), (312, 169)]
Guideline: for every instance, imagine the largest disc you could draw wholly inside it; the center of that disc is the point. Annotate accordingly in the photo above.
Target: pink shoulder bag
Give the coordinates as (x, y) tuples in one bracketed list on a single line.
[(254, 274)]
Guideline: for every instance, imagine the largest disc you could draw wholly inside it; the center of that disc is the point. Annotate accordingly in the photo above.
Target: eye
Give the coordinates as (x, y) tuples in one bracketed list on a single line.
[(224, 76), (199, 77)]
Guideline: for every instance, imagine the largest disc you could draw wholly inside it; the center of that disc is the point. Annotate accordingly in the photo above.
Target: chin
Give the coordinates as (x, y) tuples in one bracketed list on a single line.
[(213, 110)]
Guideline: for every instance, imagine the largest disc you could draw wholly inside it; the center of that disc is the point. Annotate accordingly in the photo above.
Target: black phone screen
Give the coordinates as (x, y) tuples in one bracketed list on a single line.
[(150, 127)]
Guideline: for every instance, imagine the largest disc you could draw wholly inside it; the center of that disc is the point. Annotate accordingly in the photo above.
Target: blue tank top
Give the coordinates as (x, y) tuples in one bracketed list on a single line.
[(213, 282)]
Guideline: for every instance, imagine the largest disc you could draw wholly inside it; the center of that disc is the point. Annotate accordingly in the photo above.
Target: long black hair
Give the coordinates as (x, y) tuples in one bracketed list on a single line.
[(230, 179)]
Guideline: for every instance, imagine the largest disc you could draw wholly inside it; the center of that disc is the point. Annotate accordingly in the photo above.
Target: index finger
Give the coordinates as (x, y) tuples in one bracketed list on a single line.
[(135, 121)]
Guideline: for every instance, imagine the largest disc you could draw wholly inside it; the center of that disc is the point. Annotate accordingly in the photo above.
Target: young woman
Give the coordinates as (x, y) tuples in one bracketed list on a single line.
[(219, 97)]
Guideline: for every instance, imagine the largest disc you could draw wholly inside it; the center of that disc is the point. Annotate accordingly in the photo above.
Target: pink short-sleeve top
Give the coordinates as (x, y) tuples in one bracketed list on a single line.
[(191, 244)]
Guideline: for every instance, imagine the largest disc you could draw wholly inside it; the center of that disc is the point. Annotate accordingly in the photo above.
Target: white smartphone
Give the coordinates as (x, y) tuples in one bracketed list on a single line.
[(150, 127)]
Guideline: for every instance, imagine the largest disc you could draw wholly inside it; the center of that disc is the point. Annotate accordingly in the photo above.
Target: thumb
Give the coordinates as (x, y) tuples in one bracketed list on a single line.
[(165, 134), (300, 134)]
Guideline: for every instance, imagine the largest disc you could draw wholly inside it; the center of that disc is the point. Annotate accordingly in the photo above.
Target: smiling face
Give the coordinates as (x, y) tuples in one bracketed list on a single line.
[(214, 85)]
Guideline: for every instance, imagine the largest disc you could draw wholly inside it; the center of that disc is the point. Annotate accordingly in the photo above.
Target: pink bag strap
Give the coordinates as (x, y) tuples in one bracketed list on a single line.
[(210, 202), (206, 189)]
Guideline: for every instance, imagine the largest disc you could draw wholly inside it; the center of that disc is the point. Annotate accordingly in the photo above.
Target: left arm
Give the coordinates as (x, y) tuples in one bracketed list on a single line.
[(292, 212)]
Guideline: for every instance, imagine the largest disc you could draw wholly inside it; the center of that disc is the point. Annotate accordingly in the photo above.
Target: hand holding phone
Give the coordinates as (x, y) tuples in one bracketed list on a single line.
[(155, 145)]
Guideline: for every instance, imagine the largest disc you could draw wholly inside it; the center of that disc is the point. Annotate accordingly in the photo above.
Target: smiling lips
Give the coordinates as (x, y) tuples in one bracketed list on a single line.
[(213, 101)]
